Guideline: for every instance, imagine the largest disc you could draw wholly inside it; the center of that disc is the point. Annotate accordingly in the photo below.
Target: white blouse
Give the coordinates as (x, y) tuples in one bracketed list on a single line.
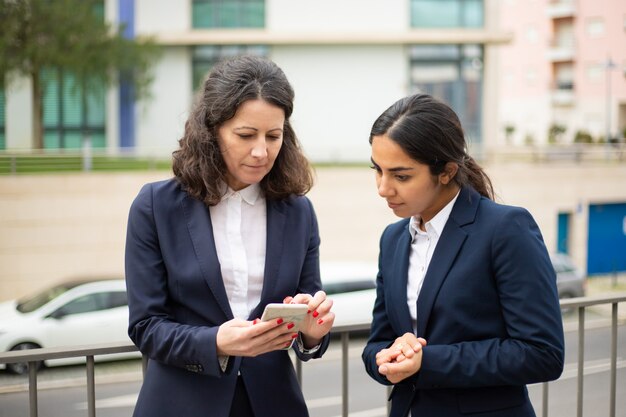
[(240, 232)]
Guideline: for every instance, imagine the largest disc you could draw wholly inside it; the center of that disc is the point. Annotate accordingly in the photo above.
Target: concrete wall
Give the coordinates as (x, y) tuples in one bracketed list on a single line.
[(54, 227)]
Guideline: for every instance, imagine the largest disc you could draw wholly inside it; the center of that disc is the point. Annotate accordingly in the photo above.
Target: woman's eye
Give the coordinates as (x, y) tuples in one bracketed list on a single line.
[(375, 168), (273, 138), (245, 136), (402, 178)]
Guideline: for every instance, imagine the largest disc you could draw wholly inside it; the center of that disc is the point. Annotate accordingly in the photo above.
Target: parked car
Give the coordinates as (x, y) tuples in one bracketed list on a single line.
[(352, 286), (570, 281), (69, 314)]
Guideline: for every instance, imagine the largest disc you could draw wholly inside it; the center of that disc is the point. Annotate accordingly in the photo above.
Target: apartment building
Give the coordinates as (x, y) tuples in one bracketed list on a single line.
[(565, 68), (347, 60)]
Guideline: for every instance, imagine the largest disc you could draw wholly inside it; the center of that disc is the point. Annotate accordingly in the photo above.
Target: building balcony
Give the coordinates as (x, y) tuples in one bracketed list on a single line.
[(558, 9), (563, 94), (562, 52)]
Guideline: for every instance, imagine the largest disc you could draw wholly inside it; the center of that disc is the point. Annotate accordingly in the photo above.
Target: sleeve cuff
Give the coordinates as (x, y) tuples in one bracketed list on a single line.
[(223, 360), (302, 349)]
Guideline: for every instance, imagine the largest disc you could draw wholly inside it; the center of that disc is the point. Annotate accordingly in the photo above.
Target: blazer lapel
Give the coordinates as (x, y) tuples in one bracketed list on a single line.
[(201, 232), (400, 312), (450, 242)]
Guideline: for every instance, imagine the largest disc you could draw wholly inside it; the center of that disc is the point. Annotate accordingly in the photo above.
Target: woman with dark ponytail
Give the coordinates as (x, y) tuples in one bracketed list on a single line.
[(467, 313)]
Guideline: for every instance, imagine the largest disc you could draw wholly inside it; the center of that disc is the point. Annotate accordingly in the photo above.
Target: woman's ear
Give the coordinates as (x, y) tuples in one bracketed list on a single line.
[(449, 171)]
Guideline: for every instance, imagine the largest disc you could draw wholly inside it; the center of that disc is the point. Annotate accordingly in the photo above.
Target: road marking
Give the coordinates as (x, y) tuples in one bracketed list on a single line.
[(323, 402), (122, 401)]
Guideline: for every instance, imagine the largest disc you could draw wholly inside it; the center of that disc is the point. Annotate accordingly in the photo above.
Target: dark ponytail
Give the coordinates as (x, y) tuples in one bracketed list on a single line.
[(430, 132)]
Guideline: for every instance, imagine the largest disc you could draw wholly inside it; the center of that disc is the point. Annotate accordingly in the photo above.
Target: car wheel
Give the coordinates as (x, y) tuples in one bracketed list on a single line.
[(22, 367)]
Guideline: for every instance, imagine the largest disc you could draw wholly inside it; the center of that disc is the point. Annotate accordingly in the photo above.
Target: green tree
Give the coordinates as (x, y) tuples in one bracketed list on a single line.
[(68, 35), (555, 131)]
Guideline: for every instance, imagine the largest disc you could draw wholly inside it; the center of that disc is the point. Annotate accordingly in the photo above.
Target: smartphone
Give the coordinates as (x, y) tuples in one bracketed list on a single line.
[(290, 313)]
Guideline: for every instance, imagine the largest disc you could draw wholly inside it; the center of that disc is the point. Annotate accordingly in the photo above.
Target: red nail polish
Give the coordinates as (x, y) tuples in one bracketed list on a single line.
[(320, 321), (308, 311), (256, 321), (279, 321), (293, 336), (287, 344), (290, 325), (315, 313)]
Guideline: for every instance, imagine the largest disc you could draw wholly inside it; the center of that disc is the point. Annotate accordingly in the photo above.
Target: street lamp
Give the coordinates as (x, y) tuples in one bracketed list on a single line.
[(608, 66)]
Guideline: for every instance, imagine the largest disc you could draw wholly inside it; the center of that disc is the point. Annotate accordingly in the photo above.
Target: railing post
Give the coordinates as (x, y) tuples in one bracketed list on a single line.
[(544, 402), (581, 360), (613, 359), (345, 345), (32, 387), (144, 365), (91, 387), (299, 371)]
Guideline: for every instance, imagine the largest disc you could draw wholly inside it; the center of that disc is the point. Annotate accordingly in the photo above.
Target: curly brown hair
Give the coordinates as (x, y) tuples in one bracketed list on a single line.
[(198, 164)]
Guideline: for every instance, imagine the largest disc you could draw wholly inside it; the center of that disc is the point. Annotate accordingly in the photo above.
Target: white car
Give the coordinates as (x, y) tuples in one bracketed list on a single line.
[(352, 287), (69, 314)]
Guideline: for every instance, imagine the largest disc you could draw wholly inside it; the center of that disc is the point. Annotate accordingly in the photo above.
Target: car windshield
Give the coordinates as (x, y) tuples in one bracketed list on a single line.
[(33, 302)]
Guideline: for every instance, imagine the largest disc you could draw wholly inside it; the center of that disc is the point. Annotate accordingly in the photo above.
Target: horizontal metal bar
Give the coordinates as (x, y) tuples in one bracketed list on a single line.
[(34, 355)]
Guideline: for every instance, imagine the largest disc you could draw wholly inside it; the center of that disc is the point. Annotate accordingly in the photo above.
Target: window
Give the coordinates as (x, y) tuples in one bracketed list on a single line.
[(3, 143), (117, 299), (228, 14), (595, 27), (205, 57), (85, 304), (447, 13), (70, 113), (452, 74)]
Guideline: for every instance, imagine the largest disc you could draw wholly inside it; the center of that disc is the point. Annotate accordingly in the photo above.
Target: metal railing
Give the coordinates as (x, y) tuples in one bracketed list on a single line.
[(89, 352)]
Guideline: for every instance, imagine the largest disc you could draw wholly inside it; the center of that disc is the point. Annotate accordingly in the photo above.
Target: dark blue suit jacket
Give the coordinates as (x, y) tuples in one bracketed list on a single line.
[(177, 301), (488, 309)]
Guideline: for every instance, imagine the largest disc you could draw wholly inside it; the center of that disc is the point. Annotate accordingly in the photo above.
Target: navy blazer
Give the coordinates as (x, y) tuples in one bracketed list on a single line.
[(488, 309), (177, 301)]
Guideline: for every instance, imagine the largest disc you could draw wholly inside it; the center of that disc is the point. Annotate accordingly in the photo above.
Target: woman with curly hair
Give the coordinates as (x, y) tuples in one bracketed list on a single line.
[(207, 250)]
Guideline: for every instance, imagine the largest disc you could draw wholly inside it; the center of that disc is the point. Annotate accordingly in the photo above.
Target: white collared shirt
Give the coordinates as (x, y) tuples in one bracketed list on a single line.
[(239, 223), (423, 246)]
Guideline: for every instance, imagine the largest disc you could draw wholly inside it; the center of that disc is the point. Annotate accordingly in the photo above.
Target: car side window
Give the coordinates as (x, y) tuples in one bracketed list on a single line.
[(84, 304), (117, 299)]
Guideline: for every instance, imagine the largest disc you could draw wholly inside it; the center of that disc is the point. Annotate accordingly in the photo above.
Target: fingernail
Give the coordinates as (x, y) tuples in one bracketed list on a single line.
[(315, 313), (290, 325), (287, 344), (308, 311), (320, 321), (279, 321), (285, 299), (256, 321), (293, 336)]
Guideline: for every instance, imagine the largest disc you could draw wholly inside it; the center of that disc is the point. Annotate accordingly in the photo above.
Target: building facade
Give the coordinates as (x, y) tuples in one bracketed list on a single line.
[(347, 61), (564, 71)]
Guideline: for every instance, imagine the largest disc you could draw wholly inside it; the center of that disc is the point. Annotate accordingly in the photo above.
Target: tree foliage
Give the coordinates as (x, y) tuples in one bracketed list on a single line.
[(69, 35)]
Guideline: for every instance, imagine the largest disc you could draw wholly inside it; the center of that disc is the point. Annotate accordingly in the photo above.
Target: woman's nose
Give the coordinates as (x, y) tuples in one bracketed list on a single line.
[(383, 187), (259, 149)]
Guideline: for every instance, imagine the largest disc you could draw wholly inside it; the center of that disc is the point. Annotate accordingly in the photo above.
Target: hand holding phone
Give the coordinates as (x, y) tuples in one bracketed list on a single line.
[(290, 313)]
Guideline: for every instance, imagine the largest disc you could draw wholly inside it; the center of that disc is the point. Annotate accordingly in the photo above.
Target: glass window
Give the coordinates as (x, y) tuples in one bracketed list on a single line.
[(71, 114), (447, 13), (228, 14), (85, 304), (205, 57), (453, 74), (117, 299), (2, 123)]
